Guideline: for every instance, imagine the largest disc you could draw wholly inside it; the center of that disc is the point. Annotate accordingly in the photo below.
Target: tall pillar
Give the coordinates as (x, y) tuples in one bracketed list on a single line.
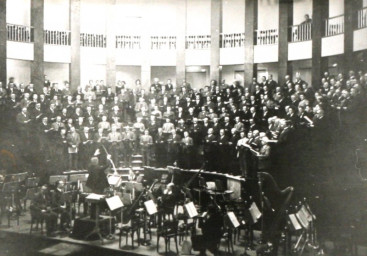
[(319, 14), (3, 38), (350, 24), (250, 27), (37, 22), (181, 8), (74, 67), (111, 44), (285, 12), (146, 49), (215, 31)]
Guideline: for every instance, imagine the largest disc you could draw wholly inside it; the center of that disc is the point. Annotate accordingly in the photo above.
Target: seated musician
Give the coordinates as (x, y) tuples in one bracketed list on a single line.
[(59, 206), (168, 199), (212, 230), (41, 209)]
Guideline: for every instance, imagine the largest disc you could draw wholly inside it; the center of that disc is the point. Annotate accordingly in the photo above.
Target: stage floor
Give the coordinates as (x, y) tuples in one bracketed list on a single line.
[(64, 244), (16, 240)]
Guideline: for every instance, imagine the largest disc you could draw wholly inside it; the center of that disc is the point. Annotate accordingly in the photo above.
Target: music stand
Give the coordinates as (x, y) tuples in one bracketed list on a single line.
[(114, 203), (150, 209), (95, 199), (10, 189)]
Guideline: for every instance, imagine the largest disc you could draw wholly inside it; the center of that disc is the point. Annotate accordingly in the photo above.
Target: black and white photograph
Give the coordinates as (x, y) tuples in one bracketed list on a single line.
[(183, 127)]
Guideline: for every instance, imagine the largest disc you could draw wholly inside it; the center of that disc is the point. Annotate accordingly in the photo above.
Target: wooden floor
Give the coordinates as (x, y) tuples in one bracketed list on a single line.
[(65, 245), (24, 228)]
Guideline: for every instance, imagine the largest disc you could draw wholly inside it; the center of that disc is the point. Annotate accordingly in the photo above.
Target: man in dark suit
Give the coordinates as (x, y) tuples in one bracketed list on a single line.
[(41, 209), (97, 179)]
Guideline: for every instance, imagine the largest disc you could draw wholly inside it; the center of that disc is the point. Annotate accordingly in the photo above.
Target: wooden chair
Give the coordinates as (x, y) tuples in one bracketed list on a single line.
[(135, 227), (169, 230), (36, 218)]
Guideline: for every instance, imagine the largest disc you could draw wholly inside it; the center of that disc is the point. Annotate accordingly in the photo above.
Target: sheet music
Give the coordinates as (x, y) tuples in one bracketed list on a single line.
[(150, 207), (210, 185), (114, 203), (232, 217), (191, 210), (306, 213), (114, 180), (295, 222), (95, 197), (302, 218), (255, 212)]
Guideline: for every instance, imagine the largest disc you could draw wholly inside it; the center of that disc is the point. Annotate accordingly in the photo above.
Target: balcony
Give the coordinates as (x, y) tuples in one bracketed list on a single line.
[(198, 42), (19, 33), (360, 34), (163, 42), (301, 33), (92, 40), (334, 26), (362, 18), (266, 37), (128, 42), (53, 37), (232, 40)]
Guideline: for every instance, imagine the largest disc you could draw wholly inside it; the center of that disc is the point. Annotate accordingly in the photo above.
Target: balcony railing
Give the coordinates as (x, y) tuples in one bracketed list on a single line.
[(232, 40), (301, 32), (334, 25), (92, 40), (19, 33), (163, 42), (362, 18), (198, 42), (128, 42), (265, 37), (55, 37)]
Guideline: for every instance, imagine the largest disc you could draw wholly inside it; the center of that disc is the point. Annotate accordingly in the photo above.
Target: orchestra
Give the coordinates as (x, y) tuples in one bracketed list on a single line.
[(228, 131)]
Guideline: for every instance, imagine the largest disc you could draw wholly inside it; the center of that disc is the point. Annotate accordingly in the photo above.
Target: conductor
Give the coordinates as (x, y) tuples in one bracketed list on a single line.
[(97, 179)]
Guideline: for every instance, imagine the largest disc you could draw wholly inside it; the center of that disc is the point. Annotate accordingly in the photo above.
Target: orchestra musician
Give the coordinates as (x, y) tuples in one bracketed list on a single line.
[(212, 230), (41, 209), (59, 206)]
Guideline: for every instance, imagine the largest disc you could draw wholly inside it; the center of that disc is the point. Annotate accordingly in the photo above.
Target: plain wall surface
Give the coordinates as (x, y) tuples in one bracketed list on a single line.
[(20, 70), (233, 16), (336, 7), (229, 72), (128, 74), (92, 72), (300, 9), (164, 73), (18, 12), (57, 72), (56, 14), (268, 14)]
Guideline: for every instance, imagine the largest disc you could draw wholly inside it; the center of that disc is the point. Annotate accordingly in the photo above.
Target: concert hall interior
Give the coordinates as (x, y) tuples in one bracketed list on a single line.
[(183, 127)]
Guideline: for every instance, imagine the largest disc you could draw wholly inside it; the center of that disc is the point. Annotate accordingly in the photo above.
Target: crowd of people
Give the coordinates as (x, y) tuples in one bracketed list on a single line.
[(228, 128)]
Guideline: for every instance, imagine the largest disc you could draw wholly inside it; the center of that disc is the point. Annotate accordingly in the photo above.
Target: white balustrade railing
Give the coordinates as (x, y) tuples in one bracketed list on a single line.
[(163, 42), (301, 32), (128, 42), (55, 37), (362, 18), (19, 33), (334, 26), (198, 42), (92, 40), (265, 37), (232, 40)]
